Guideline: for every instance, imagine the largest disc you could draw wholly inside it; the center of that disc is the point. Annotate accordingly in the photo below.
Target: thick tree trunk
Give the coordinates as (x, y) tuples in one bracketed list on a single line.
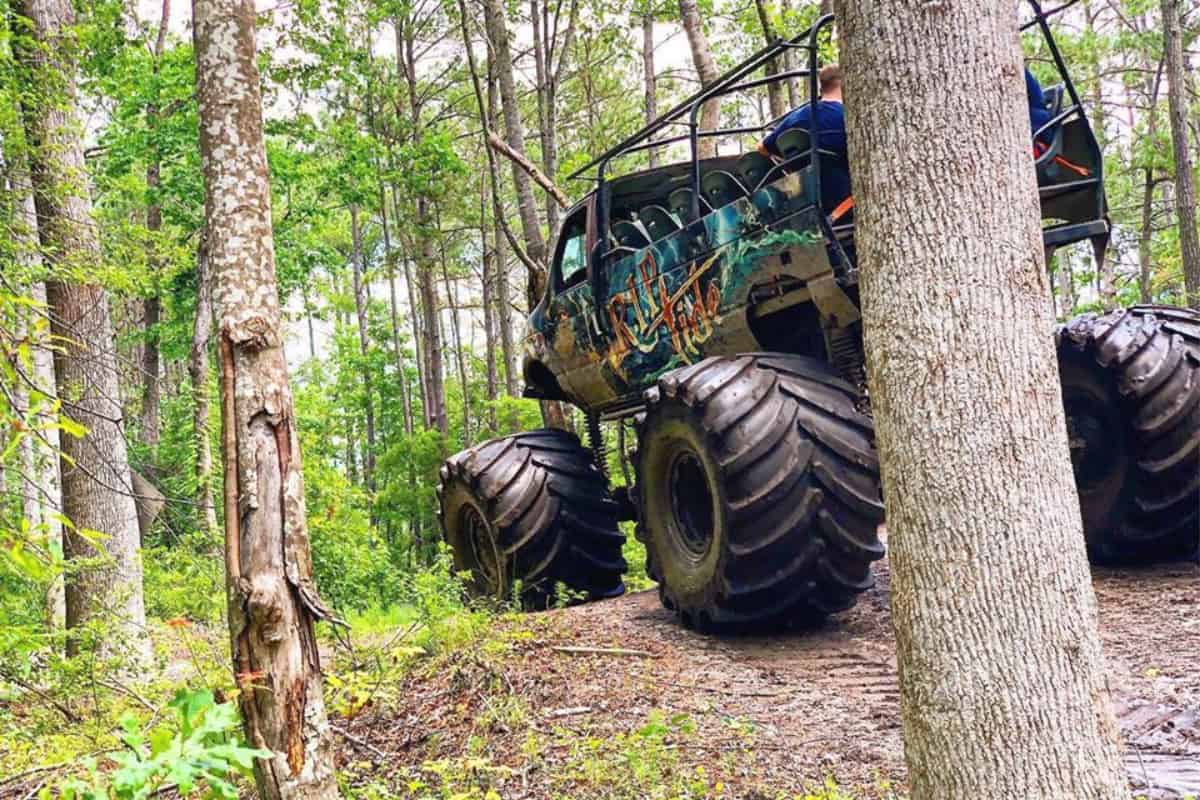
[(96, 481), (1185, 182), (649, 79), (273, 602), (1002, 681), (706, 68), (364, 347), (198, 371)]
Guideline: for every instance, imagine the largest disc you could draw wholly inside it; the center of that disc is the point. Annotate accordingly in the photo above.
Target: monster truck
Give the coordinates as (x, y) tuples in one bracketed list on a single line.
[(713, 306)]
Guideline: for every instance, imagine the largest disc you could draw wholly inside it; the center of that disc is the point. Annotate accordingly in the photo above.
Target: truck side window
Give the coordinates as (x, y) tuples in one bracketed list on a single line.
[(571, 258)]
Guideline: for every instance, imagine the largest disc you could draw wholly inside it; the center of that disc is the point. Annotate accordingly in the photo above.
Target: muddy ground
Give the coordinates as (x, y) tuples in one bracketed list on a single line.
[(794, 709)]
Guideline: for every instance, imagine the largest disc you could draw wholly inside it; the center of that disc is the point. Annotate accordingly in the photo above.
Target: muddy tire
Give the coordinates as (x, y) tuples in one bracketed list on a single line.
[(1131, 391), (758, 491), (534, 509)]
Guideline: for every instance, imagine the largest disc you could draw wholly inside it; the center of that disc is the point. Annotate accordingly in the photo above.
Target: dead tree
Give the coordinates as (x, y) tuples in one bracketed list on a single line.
[(273, 603)]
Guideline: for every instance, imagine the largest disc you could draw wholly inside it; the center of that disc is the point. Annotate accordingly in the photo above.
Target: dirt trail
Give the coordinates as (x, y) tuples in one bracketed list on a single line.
[(825, 702)]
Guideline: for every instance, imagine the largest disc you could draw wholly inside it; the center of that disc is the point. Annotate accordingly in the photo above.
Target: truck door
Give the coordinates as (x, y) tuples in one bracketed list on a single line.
[(578, 342)]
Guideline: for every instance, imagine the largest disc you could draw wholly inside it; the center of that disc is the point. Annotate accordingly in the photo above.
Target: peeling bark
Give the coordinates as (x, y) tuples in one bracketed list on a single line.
[(1002, 680), (273, 602)]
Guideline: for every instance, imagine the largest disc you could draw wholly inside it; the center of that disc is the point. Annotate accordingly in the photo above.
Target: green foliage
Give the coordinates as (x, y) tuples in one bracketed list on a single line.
[(185, 579), (197, 756)]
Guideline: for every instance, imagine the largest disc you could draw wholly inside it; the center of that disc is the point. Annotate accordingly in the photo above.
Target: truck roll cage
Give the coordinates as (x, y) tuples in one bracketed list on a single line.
[(1079, 200)]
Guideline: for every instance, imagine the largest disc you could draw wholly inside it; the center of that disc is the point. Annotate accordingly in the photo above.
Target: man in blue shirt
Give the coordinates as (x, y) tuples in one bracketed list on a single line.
[(831, 135), (1039, 115)]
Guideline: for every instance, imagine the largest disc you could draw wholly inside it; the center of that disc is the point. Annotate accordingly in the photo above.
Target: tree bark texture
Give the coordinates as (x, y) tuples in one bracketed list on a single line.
[(96, 482), (1185, 181), (706, 68), (1003, 690), (273, 602), (502, 63)]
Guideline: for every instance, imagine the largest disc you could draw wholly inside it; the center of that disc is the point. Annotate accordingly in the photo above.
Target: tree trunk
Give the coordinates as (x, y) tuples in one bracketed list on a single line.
[(789, 57), (418, 337), (41, 486), (706, 68), (435, 409), (649, 79), (504, 314), (45, 463), (775, 91), (364, 348), (456, 327), (198, 371), (487, 284), (545, 108), (1185, 182), (397, 351), (152, 315), (273, 602), (1002, 683), (1149, 182), (96, 482), (501, 59), (1107, 273)]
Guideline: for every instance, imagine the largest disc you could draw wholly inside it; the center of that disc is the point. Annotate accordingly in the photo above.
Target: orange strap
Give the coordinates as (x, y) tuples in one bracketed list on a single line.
[(1039, 148), (842, 208)]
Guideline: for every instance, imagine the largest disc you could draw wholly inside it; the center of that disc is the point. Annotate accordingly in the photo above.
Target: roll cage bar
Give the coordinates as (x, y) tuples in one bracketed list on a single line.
[(687, 113)]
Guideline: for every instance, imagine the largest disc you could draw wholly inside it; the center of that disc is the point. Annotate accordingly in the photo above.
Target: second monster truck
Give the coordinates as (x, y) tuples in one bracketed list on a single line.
[(712, 306)]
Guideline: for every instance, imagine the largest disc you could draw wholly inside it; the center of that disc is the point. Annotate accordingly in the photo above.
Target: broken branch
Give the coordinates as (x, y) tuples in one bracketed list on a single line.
[(539, 177)]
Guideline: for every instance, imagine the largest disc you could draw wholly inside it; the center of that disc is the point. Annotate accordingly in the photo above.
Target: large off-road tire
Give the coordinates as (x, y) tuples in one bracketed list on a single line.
[(534, 509), (758, 492), (1131, 391)]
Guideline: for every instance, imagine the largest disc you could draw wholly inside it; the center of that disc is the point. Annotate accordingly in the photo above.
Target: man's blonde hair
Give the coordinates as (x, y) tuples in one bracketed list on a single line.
[(830, 78)]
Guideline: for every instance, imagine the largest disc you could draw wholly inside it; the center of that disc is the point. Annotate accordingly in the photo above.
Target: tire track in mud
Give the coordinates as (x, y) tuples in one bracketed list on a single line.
[(828, 699)]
